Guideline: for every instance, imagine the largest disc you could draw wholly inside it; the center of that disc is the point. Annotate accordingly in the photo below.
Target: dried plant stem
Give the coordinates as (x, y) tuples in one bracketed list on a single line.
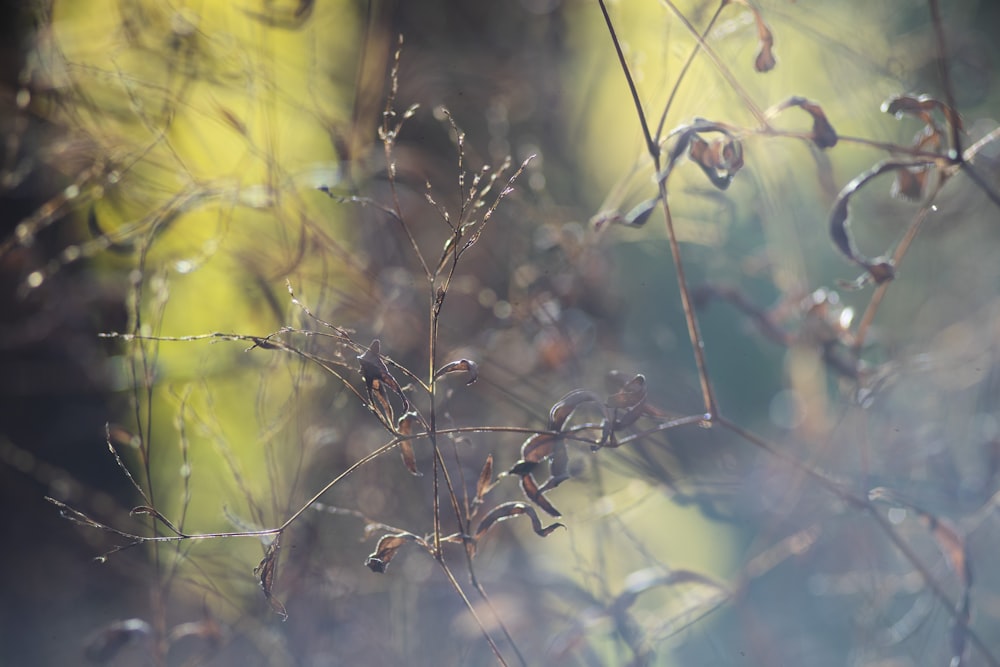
[(880, 291), (707, 394)]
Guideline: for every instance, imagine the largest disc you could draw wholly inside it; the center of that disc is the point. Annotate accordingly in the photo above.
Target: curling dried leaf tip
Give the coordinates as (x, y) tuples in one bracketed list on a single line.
[(462, 365), (531, 491), (568, 404), (510, 510), (485, 481), (386, 549), (265, 571)]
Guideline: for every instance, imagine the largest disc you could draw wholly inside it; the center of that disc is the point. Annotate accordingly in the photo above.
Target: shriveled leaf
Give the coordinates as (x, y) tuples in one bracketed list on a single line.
[(630, 395), (405, 427), (105, 644), (720, 159), (921, 106), (510, 510), (535, 495), (566, 405), (823, 134), (880, 268), (485, 481), (409, 458), (462, 365), (765, 60), (386, 549), (539, 447), (265, 571), (378, 379)]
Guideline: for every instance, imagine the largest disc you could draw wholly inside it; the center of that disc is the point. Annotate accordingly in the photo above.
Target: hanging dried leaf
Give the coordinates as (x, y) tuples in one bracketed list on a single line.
[(823, 134), (720, 159), (265, 571), (104, 645), (535, 495), (880, 268), (485, 482), (509, 510), (566, 405), (765, 60), (921, 106), (386, 549), (405, 427), (462, 365), (377, 378), (630, 395), (538, 447)]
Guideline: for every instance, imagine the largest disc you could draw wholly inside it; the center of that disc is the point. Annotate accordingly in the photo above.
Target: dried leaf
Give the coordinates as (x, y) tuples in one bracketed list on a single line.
[(921, 106), (566, 405), (405, 427), (880, 268), (823, 134), (720, 159), (539, 447), (633, 393), (509, 510), (386, 549), (485, 482), (765, 60), (462, 365), (377, 377), (265, 575), (535, 495), (104, 645)]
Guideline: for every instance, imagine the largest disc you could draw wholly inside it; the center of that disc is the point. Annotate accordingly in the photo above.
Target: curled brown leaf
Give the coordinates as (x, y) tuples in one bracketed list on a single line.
[(405, 427), (377, 379), (921, 106), (510, 510), (386, 549), (530, 488), (565, 406), (485, 481), (462, 365), (880, 269), (265, 571)]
